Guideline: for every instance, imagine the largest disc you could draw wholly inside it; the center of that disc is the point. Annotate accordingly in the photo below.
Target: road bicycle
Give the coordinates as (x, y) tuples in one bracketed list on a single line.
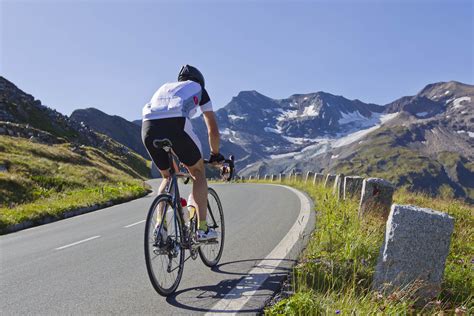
[(168, 236)]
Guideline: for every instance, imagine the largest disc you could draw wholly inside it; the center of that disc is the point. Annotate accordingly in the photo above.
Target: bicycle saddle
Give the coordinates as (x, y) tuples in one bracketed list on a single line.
[(162, 143)]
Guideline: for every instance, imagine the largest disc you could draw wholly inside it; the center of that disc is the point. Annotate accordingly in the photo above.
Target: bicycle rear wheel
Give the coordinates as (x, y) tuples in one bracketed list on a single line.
[(164, 255), (211, 253)]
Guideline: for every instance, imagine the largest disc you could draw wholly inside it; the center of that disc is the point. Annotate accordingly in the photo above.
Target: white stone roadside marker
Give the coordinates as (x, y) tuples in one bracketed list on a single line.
[(413, 255)]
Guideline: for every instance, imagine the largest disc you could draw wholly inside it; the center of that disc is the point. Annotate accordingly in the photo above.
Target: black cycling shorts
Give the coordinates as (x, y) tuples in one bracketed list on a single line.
[(180, 132)]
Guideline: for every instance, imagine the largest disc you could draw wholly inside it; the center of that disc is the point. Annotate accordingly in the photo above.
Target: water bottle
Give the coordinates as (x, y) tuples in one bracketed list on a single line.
[(185, 212), (191, 206)]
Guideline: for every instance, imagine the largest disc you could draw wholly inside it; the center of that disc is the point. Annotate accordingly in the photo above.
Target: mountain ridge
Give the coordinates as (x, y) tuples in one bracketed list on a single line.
[(432, 130), (114, 126)]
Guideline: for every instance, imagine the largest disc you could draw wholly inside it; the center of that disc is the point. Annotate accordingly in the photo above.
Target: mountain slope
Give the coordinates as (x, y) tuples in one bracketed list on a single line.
[(116, 127), (50, 164), (255, 127), (424, 142)]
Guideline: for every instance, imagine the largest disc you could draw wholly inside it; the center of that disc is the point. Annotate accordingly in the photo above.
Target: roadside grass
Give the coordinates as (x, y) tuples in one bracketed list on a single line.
[(48, 180), (334, 273)]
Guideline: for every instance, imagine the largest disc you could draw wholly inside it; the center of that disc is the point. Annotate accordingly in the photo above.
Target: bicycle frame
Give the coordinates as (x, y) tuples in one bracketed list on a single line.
[(172, 191)]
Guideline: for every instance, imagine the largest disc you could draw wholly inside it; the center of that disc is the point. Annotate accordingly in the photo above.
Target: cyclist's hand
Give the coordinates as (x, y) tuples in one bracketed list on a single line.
[(216, 158)]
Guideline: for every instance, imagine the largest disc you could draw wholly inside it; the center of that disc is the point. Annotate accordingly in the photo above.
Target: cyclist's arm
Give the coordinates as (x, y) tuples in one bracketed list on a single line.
[(210, 120), (213, 131)]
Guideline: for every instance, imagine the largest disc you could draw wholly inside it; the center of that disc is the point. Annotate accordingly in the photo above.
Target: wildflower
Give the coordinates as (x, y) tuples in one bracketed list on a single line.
[(338, 311)]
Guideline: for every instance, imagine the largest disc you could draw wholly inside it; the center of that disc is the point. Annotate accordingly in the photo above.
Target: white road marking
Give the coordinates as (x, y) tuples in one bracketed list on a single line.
[(77, 242), (133, 224), (235, 299)]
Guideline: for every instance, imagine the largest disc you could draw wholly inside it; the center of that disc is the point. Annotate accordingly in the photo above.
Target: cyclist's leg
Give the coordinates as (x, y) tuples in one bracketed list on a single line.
[(165, 174), (199, 195), (188, 148), (151, 130)]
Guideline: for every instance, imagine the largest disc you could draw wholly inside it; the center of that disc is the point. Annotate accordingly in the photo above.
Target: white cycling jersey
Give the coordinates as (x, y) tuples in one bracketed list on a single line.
[(177, 99)]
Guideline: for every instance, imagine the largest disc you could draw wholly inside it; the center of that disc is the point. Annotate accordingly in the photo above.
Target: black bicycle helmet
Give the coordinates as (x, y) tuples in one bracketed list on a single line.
[(189, 72)]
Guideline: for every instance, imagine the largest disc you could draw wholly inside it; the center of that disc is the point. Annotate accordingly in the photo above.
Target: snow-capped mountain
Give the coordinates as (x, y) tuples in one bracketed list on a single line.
[(258, 127), (424, 141)]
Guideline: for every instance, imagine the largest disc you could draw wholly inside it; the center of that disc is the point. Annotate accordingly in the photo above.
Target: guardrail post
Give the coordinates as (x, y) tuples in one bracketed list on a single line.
[(329, 182), (318, 178), (377, 196), (338, 188), (413, 255), (352, 187)]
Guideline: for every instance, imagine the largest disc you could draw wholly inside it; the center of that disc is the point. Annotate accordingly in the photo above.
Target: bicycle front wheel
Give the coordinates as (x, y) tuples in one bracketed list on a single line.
[(211, 252), (164, 255)]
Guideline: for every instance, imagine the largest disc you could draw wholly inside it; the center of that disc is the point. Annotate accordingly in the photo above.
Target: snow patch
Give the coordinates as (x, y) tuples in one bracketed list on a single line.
[(318, 146), (447, 92), (242, 159), (225, 132), (287, 155), (235, 117), (422, 114), (334, 156), (287, 115), (457, 102), (297, 140), (349, 139), (471, 134), (449, 101), (310, 111), (351, 117), (272, 130)]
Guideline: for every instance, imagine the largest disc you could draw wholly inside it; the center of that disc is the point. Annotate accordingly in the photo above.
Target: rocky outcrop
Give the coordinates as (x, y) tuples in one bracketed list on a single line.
[(26, 131), (22, 115), (116, 127)]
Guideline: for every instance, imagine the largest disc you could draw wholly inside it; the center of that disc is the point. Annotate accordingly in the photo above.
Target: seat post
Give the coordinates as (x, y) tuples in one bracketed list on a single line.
[(170, 162)]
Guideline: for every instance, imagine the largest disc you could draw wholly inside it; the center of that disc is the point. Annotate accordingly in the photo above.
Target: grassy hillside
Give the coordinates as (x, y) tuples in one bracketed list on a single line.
[(334, 273), (40, 180), (393, 154)]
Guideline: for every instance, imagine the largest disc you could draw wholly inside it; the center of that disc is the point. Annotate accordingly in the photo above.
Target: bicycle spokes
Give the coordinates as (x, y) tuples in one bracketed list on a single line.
[(163, 250)]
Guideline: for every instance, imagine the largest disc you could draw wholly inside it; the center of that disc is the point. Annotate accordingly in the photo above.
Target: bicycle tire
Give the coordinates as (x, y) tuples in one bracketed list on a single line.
[(151, 255), (211, 253)]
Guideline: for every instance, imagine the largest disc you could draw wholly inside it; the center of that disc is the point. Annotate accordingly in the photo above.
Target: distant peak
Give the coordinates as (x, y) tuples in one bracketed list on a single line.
[(443, 84), (89, 110), (321, 94), (249, 93)]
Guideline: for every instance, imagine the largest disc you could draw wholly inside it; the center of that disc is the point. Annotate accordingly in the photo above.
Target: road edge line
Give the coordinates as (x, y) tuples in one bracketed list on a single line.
[(268, 265)]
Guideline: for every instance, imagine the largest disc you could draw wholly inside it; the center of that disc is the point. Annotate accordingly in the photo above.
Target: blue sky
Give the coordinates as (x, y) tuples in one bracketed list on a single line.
[(113, 55)]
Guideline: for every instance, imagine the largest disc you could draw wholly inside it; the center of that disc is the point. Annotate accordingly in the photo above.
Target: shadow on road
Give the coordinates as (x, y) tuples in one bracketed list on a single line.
[(259, 286)]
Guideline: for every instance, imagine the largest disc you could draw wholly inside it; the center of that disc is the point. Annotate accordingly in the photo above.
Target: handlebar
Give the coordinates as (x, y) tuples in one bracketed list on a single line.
[(227, 167)]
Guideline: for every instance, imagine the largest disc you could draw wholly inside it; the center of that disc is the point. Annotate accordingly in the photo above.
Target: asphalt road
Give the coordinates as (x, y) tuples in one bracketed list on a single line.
[(94, 263)]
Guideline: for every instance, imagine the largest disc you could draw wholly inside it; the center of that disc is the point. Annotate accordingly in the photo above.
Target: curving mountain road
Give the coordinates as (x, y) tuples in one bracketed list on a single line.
[(94, 263)]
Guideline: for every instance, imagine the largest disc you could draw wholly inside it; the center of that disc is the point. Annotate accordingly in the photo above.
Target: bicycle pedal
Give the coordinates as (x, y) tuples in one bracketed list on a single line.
[(160, 251), (211, 241), (194, 254)]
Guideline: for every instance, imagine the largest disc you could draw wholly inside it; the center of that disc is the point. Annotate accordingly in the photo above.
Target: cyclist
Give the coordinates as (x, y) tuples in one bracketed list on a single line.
[(167, 115)]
